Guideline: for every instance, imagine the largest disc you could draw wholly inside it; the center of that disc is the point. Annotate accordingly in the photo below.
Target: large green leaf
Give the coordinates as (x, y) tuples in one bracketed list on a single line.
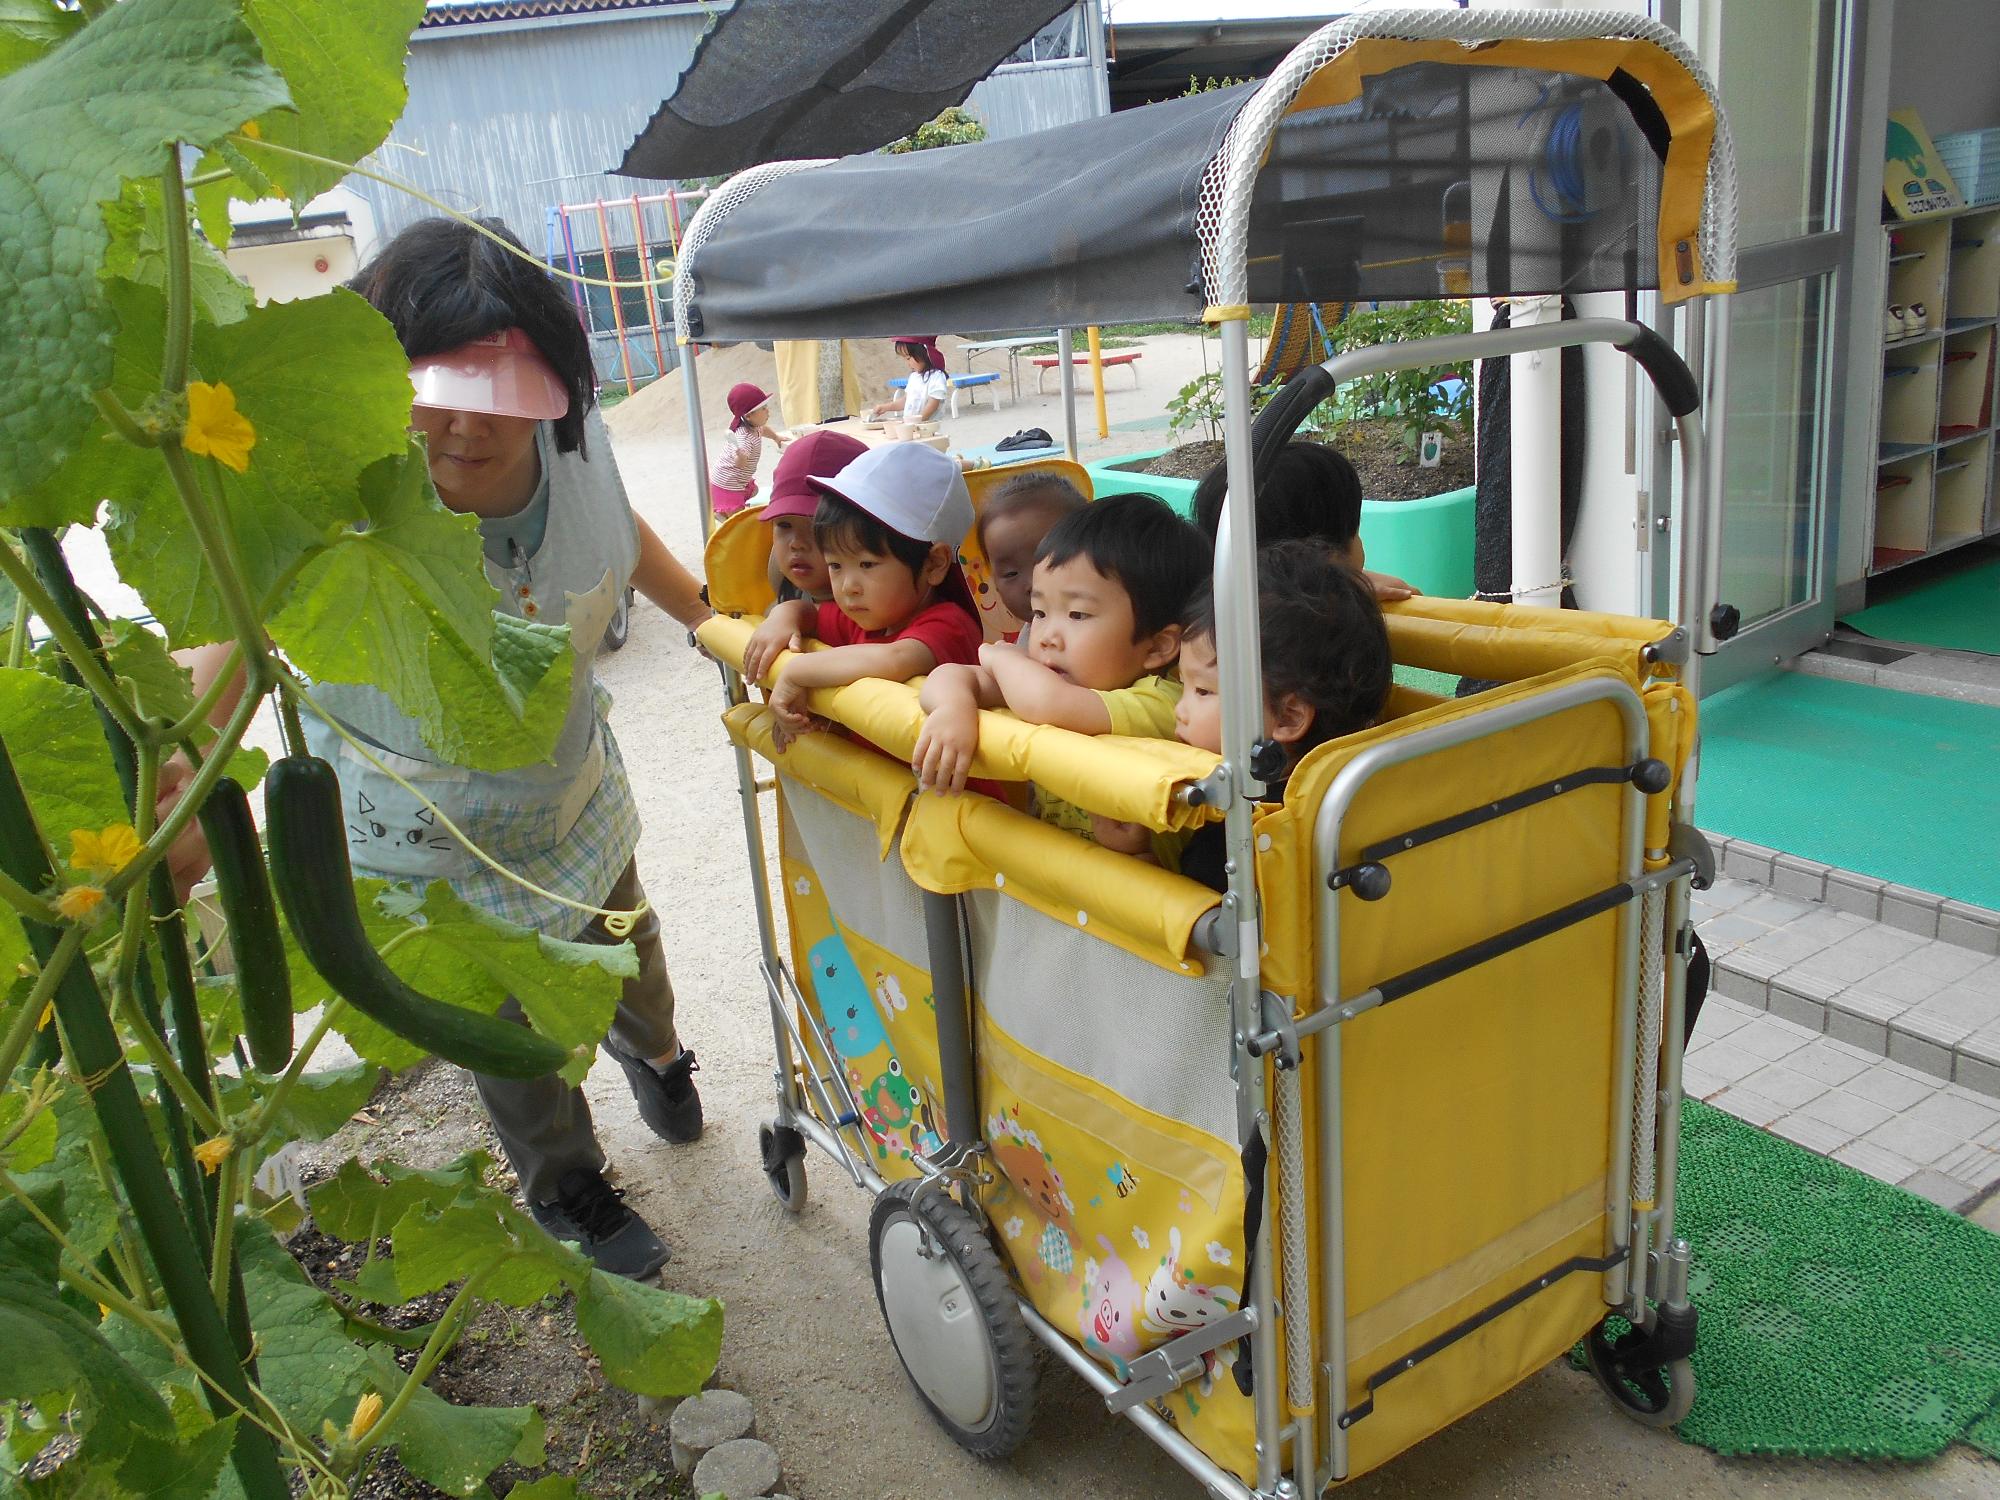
[(652, 1342), (178, 1471), (58, 749), (29, 28), (55, 1356), (305, 1361), (137, 253), (455, 1447), (326, 386), (358, 1203), (344, 66), (93, 1216), (320, 1103), (436, 1246), (73, 125), (34, 1144), (403, 602)]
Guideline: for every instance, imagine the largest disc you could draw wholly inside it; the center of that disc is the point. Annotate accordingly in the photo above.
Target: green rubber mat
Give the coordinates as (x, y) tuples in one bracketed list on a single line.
[(1958, 607), (1900, 786), (1840, 1317), (1444, 684)]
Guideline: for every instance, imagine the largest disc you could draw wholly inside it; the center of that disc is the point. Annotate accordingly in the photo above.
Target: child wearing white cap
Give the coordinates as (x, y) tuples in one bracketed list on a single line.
[(889, 526)]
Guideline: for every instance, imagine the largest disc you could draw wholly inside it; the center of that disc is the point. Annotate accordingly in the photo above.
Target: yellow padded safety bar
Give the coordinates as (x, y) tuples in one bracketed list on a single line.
[(1134, 780), (1507, 642), (867, 785), (957, 844)]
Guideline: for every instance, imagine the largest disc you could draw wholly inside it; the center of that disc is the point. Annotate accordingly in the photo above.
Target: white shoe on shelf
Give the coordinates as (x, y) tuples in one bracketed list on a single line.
[(1894, 323)]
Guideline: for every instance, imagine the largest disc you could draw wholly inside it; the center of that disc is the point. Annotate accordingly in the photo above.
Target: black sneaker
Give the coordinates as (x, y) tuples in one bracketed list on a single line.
[(668, 1102), (592, 1212)]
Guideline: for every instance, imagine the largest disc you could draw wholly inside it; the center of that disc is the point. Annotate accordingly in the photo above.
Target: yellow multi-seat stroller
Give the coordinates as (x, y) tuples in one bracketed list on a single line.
[(1301, 1173)]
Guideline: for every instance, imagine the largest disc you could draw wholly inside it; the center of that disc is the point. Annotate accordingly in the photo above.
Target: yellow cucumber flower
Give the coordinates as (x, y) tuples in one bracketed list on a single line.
[(105, 853), (215, 427), (211, 1152), (80, 902), (367, 1411)]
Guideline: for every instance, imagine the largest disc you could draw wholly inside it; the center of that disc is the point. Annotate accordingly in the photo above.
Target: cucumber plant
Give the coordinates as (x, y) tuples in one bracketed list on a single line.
[(252, 474)]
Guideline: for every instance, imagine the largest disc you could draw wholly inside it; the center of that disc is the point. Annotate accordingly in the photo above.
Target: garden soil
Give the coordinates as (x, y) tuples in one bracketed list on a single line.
[(804, 1338)]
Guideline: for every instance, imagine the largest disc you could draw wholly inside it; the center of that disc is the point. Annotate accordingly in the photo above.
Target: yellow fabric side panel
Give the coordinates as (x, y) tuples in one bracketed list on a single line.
[(737, 563), (1673, 722), (1123, 1228), (798, 381), (954, 844), (868, 785), (1506, 642), (1136, 780), (1689, 112)]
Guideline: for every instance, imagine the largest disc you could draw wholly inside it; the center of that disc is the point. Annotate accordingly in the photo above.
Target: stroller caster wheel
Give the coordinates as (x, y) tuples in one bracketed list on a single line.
[(953, 1318), (1658, 1396), (619, 628), (783, 1151)]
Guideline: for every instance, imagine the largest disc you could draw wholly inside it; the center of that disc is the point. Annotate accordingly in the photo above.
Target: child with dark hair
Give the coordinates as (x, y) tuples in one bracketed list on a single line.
[(1326, 670), (1011, 528), (889, 526), (1109, 586), (1309, 492)]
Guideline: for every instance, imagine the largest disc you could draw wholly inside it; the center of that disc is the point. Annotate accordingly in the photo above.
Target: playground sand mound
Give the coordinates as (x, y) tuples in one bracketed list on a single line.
[(660, 410)]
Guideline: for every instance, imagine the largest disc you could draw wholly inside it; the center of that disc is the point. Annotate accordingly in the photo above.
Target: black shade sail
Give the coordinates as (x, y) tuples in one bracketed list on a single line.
[(783, 79)]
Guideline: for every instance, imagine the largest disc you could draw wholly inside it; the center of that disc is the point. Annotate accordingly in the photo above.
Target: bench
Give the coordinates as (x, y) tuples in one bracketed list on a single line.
[(1047, 362), (958, 383)]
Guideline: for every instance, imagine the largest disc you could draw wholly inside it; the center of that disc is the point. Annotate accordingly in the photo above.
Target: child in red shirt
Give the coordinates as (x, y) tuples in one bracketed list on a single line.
[(889, 526)]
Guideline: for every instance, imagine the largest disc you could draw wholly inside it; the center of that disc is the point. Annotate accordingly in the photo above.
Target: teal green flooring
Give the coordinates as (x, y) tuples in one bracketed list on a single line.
[(1895, 785), (1957, 606)]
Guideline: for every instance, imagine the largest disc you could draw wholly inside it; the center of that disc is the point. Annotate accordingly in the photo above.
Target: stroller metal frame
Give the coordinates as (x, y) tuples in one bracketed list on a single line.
[(1299, 1354)]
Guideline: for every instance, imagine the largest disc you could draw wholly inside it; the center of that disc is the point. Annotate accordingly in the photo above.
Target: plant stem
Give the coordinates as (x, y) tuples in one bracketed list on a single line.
[(192, 721), (274, 1102), (219, 551), (28, 1020), (292, 725), (228, 1188), (85, 662), (191, 799), (27, 903), (121, 420), (164, 1067), (435, 1348), (179, 277), (99, 1063)]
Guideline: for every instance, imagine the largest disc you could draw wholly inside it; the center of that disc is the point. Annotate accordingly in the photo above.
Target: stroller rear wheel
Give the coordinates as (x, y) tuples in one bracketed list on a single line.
[(953, 1318), (1651, 1395), (783, 1152)]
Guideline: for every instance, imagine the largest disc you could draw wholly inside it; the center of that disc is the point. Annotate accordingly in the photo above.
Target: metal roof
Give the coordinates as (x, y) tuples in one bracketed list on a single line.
[(441, 13)]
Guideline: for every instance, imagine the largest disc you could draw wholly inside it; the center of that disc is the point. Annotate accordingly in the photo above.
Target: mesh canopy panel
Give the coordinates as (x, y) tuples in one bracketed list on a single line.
[(1388, 157)]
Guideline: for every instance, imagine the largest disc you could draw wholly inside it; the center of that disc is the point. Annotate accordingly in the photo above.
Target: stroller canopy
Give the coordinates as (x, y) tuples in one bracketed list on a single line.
[(1393, 155)]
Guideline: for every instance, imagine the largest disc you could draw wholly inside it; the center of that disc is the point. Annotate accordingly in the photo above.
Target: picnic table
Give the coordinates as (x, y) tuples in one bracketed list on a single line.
[(1128, 357), (1013, 347)]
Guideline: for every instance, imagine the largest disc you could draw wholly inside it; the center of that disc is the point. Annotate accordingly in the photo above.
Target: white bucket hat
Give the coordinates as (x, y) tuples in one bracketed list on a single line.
[(909, 488)]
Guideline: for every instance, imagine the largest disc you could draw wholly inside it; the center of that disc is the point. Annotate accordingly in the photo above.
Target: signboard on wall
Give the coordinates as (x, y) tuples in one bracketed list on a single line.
[(1913, 178)]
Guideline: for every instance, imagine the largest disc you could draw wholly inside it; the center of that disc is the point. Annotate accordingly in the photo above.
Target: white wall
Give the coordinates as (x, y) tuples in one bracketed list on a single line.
[(291, 269)]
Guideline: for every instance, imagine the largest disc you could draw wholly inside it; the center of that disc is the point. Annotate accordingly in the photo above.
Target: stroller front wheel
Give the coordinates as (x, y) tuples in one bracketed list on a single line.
[(953, 1318), (783, 1152), (1653, 1396)]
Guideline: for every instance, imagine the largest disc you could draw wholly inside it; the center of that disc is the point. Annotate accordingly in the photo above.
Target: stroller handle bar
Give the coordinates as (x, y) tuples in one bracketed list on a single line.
[(1707, 621)]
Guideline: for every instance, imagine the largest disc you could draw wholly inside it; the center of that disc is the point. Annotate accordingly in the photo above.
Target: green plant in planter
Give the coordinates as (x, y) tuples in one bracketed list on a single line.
[(1408, 396), (1199, 404), (263, 492), (950, 127)]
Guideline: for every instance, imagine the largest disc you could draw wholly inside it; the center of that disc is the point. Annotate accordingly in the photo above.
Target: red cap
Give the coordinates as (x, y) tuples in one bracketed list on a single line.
[(744, 398), (816, 455)]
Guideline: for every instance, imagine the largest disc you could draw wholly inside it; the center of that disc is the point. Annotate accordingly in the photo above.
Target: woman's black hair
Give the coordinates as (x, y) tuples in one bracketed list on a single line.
[(1322, 637), (843, 526), (1310, 491), (1138, 540), (443, 284), (920, 351)]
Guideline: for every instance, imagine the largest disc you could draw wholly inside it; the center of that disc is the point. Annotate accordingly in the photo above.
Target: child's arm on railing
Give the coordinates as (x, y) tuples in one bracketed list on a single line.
[(898, 661), (786, 628), (951, 699), (1040, 696)]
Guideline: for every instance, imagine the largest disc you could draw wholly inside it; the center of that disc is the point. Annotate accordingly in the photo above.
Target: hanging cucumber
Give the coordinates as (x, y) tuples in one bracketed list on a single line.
[(315, 884), (245, 892)]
